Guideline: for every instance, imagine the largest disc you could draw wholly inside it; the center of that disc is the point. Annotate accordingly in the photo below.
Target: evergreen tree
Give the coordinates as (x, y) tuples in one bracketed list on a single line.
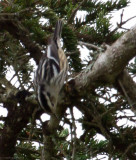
[(100, 88)]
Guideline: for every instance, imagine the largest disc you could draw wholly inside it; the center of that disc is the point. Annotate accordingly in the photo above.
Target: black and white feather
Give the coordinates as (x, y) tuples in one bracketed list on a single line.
[(51, 72)]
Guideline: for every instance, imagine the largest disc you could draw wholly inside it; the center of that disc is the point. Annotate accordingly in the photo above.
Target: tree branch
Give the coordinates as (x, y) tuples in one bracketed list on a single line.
[(18, 31), (89, 45), (108, 64), (75, 11), (128, 88), (73, 135)]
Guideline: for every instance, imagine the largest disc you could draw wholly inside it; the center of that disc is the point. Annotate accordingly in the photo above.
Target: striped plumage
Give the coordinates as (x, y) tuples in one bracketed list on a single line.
[(51, 72)]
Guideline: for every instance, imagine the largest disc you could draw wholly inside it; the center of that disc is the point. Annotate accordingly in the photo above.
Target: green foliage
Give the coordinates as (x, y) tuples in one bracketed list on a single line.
[(1, 125), (15, 59), (26, 151), (64, 133), (102, 25), (70, 43), (69, 38), (34, 27), (98, 145)]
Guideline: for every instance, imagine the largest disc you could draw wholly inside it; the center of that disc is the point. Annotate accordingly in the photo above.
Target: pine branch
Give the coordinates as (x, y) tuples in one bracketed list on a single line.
[(90, 45), (22, 34), (72, 16)]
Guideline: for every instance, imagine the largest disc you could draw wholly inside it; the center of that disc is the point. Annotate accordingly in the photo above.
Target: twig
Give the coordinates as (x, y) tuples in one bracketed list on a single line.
[(125, 93), (98, 120), (128, 148), (12, 78), (128, 20), (74, 134), (89, 45), (75, 11), (71, 53), (19, 80), (121, 16), (32, 124), (119, 25), (16, 13)]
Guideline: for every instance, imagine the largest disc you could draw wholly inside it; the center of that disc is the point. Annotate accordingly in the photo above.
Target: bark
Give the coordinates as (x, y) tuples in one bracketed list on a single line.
[(108, 65)]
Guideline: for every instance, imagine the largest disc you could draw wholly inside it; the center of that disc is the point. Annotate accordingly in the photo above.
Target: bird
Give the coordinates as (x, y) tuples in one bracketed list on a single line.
[(51, 72)]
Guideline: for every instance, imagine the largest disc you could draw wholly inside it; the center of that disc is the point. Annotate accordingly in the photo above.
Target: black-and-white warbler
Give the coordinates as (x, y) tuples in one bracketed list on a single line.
[(51, 72)]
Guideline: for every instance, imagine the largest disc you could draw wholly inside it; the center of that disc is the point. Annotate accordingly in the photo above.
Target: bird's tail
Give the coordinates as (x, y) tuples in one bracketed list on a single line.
[(58, 30)]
